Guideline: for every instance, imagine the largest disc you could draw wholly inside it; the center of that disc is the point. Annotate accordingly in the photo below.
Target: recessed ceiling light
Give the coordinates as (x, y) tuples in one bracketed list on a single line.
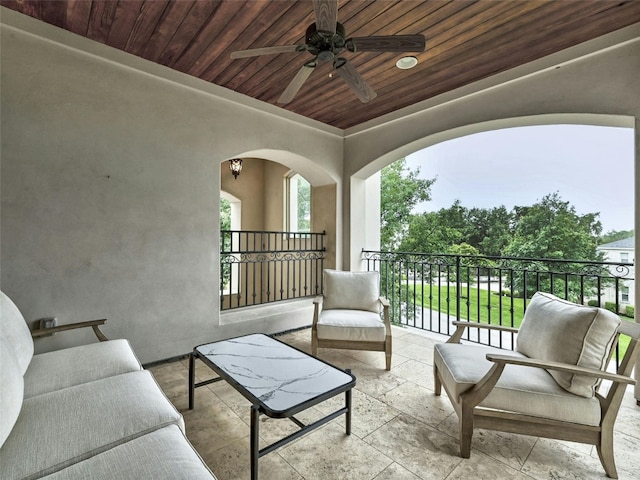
[(405, 63)]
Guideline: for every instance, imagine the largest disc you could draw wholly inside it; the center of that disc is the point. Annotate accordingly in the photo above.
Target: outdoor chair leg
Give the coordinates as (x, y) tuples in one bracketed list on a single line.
[(437, 384)]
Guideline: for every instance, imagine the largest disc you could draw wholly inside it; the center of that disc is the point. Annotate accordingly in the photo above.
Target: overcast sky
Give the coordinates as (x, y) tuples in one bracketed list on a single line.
[(591, 167)]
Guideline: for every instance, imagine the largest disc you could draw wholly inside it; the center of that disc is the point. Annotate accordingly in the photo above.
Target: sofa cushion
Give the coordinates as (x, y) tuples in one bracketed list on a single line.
[(161, 455), (560, 331), (11, 390), (351, 290), (60, 428), (72, 366), (15, 331), (526, 390), (352, 325)]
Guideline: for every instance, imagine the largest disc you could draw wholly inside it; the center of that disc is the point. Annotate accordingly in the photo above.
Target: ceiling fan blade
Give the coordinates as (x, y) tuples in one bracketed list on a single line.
[(296, 83), (350, 75), (387, 43), (254, 52), (326, 15)]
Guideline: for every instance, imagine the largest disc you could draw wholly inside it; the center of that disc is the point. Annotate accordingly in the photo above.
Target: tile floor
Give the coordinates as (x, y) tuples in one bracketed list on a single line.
[(400, 429)]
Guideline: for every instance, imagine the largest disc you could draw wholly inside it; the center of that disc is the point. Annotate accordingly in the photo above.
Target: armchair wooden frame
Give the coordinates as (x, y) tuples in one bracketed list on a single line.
[(472, 415), (384, 346), (94, 324)]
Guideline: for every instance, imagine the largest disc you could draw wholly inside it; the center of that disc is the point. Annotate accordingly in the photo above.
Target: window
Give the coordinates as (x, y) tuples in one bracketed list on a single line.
[(297, 204), (624, 294), (230, 221), (624, 257)]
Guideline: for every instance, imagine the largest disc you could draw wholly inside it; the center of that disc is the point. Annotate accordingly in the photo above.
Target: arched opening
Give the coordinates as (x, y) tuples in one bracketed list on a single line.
[(464, 283), (276, 249), (364, 231)]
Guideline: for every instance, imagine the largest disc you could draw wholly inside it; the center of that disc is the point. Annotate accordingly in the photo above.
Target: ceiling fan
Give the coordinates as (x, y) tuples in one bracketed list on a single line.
[(326, 40)]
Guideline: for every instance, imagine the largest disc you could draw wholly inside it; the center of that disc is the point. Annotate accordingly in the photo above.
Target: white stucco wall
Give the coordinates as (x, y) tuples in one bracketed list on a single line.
[(110, 182)]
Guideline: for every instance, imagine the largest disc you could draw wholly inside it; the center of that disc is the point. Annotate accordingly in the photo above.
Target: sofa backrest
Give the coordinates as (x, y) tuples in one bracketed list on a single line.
[(561, 331), (15, 332), (351, 290)]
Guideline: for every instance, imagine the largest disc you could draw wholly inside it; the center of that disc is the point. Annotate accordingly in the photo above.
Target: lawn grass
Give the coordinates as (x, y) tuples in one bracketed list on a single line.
[(491, 308)]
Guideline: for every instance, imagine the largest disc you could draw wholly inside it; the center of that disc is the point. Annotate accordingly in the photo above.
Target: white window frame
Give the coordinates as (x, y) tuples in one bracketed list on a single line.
[(291, 220), (236, 224)]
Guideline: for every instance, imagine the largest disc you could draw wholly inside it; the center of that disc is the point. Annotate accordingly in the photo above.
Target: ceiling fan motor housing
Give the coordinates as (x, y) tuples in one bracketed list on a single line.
[(325, 45)]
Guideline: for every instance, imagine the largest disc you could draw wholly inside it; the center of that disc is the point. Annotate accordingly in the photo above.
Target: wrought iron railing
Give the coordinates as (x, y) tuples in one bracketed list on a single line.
[(429, 291), (258, 267)]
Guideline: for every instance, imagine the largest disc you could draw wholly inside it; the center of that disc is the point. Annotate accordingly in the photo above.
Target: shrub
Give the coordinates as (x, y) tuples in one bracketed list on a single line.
[(592, 303), (611, 306), (629, 311)]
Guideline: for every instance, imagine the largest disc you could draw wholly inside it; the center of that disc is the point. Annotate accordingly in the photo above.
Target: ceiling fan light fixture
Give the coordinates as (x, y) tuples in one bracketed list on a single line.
[(405, 63)]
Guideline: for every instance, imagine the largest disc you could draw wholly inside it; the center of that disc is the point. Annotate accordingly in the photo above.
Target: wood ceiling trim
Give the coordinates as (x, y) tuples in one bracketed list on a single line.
[(201, 27), (102, 14), (144, 26), (78, 13), (219, 51), (161, 47), (472, 64), (281, 33), (467, 40)]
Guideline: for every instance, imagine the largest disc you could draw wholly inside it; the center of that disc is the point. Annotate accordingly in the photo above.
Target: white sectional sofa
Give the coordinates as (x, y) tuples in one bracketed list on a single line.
[(85, 412)]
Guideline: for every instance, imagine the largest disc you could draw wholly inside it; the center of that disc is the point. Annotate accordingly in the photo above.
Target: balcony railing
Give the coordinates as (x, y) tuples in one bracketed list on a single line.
[(429, 291), (258, 267)]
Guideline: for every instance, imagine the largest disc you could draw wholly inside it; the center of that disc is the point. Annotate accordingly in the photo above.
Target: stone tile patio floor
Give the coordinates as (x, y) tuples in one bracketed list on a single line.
[(400, 429)]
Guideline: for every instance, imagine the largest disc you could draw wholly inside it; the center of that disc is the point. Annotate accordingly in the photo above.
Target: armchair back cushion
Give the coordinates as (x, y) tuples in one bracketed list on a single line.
[(351, 290), (15, 332), (558, 330)]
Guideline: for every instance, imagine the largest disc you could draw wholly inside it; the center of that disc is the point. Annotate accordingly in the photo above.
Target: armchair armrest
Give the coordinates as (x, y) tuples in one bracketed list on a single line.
[(317, 305), (94, 324), (460, 326), (562, 367), (385, 314)]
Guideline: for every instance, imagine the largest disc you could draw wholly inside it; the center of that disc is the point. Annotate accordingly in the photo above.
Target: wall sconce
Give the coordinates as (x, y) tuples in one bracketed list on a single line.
[(235, 165)]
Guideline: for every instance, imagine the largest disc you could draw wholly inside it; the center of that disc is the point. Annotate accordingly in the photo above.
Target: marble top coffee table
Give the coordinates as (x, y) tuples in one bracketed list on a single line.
[(277, 379)]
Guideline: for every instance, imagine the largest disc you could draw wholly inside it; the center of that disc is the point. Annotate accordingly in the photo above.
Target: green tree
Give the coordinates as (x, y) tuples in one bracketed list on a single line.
[(552, 229), (430, 232), (489, 230), (614, 235), (400, 191), (225, 242), (225, 214)]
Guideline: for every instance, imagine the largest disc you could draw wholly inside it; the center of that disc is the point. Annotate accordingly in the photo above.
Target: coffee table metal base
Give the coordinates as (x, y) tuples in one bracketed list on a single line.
[(257, 410), (256, 452)]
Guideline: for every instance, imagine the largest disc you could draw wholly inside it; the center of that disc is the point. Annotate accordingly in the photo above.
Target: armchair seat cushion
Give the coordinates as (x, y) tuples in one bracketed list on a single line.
[(64, 368), (525, 390), (67, 426), (351, 325)]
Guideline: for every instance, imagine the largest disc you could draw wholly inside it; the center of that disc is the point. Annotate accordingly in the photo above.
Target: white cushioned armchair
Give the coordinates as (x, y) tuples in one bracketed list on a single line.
[(348, 315), (551, 385)]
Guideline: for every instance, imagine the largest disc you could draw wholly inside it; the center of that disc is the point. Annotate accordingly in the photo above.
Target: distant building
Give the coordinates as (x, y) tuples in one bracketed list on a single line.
[(622, 251)]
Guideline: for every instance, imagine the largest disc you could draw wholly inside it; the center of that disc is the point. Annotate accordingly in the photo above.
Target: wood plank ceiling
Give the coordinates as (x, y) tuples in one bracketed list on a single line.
[(467, 40)]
